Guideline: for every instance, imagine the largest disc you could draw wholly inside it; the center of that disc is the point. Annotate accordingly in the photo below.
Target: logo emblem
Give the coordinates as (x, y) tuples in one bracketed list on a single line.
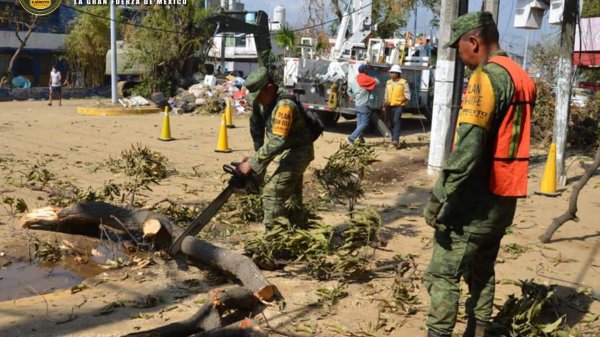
[(40, 7)]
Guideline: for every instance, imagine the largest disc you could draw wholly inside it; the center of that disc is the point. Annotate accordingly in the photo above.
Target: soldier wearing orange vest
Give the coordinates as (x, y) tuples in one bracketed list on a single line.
[(475, 197), (397, 96)]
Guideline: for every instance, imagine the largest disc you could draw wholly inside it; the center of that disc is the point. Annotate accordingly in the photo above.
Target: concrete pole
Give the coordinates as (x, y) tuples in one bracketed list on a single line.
[(444, 81), (563, 87), (525, 52), (492, 6), (113, 53)]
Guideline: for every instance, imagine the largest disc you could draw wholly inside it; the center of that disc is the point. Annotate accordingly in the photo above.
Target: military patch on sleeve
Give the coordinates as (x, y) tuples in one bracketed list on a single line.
[(282, 123), (478, 103)]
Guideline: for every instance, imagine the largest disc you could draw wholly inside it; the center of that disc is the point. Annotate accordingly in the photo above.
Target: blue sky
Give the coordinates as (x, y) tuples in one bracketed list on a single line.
[(510, 36)]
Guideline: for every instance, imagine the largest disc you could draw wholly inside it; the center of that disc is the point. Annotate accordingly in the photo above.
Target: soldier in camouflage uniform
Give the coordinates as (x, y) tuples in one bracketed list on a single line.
[(469, 219), (287, 136)]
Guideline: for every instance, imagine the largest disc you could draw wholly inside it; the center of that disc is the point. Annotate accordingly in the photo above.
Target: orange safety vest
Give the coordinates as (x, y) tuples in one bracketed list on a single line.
[(511, 149)]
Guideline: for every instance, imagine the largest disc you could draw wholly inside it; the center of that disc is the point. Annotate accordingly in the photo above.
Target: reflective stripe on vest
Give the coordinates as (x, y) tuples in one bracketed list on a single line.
[(511, 149), (395, 92)]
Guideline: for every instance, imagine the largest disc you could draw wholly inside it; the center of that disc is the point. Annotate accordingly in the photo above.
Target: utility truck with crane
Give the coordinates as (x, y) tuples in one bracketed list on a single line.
[(323, 82)]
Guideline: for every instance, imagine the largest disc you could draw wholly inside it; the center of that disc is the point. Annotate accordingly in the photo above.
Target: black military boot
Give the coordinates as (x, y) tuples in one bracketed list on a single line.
[(475, 328)]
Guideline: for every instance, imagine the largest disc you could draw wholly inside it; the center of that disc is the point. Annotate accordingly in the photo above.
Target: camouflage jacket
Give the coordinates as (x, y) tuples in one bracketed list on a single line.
[(463, 185), (284, 126)]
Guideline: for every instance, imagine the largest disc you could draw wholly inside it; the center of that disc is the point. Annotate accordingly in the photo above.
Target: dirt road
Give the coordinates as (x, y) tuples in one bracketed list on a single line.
[(74, 148)]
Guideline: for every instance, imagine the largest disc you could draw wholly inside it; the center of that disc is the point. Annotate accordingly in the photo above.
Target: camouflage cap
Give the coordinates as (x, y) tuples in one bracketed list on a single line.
[(257, 80), (466, 23)]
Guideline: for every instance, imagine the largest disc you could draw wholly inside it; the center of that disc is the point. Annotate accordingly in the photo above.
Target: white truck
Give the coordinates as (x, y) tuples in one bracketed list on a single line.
[(323, 82)]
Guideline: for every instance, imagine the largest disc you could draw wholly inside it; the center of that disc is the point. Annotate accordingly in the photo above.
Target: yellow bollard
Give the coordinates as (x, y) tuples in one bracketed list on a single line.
[(228, 114), (222, 145), (548, 184), (165, 133)]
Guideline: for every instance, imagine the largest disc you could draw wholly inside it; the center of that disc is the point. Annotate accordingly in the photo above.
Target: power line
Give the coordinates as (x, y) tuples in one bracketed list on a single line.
[(180, 32)]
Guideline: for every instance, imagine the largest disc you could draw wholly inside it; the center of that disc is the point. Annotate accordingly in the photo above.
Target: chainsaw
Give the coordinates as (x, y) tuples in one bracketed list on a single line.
[(237, 184)]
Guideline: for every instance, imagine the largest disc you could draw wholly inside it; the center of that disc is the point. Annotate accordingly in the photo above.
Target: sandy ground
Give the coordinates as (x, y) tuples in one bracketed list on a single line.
[(74, 147)]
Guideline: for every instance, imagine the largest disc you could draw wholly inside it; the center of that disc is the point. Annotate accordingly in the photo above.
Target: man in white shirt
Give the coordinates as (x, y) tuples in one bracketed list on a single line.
[(55, 85)]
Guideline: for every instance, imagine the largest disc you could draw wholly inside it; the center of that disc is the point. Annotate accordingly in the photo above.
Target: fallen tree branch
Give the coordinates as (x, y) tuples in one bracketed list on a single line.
[(85, 218), (244, 328), (242, 267), (571, 213), (208, 317)]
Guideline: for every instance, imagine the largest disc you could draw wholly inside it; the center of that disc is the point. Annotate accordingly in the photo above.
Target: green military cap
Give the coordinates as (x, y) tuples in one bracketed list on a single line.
[(257, 80), (467, 23)]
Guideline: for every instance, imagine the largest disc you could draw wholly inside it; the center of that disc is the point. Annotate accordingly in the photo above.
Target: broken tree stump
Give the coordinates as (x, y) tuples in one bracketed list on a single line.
[(85, 218), (208, 317), (571, 213), (244, 328), (242, 267)]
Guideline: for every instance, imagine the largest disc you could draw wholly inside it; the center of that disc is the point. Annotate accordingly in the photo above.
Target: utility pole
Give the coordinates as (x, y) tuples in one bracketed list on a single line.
[(113, 53), (526, 48), (492, 6), (563, 87), (457, 90), (444, 82)]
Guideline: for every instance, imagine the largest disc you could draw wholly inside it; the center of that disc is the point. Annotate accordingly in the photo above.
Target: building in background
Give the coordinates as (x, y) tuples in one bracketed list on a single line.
[(44, 47)]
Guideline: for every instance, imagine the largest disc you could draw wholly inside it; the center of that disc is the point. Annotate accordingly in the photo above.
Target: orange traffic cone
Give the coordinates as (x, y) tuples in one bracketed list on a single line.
[(165, 133), (548, 184), (222, 145), (228, 114)]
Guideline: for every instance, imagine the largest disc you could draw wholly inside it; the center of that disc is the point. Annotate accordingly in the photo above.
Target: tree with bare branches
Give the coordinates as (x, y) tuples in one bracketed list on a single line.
[(24, 26)]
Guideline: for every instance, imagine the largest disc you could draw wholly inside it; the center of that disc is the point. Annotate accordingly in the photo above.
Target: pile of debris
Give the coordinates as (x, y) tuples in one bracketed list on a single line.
[(209, 96)]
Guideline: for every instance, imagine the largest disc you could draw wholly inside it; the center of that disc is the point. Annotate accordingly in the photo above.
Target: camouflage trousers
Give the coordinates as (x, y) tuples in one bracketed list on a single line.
[(282, 194), (456, 255)]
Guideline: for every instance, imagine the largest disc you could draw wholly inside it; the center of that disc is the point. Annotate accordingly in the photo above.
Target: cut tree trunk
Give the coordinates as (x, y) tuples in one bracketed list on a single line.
[(244, 328), (571, 213), (208, 317), (242, 267), (85, 218)]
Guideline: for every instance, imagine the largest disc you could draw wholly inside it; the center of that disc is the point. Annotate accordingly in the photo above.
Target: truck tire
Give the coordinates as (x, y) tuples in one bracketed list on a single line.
[(328, 118)]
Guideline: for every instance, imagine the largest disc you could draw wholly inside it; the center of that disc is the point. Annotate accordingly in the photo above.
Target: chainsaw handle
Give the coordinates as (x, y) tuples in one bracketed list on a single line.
[(229, 169)]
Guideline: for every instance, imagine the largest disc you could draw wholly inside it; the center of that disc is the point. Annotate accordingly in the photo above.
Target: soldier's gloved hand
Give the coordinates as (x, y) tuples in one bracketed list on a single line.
[(431, 212)]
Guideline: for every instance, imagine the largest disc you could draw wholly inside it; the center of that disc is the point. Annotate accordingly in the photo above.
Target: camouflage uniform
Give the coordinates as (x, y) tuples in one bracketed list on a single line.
[(287, 135), (470, 221)]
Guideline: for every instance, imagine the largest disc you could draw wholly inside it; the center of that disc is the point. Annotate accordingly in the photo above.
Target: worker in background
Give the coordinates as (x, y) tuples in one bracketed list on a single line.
[(288, 135), (55, 85), (397, 96), (475, 197), (360, 91)]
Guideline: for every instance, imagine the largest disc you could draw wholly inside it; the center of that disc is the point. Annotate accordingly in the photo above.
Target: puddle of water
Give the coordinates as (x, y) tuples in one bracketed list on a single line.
[(23, 279)]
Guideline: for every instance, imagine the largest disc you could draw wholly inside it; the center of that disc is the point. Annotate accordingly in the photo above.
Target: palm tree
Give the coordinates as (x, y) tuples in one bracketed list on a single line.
[(286, 39)]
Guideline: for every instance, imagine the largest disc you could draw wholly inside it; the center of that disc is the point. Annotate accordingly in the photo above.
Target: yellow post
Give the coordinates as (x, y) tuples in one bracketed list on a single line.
[(222, 145), (228, 114), (548, 184), (165, 133)]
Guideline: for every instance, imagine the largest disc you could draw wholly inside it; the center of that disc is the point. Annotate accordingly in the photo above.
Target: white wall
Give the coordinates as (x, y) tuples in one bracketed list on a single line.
[(36, 40)]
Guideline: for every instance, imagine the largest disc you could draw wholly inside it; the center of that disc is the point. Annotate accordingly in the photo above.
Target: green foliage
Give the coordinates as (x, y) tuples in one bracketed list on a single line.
[(391, 15), (16, 204), (249, 207), (287, 40), (316, 247), (181, 34), (86, 45), (329, 297), (542, 118), (144, 166), (591, 9), (526, 316), (343, 174), (46, 251), (544, 57), (38, 173), (584, 124)]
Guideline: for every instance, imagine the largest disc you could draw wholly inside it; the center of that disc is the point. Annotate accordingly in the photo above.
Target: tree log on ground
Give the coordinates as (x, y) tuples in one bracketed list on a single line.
[(208, 317), (571, 213), (244, 328), (86, 218), (242, 267)]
